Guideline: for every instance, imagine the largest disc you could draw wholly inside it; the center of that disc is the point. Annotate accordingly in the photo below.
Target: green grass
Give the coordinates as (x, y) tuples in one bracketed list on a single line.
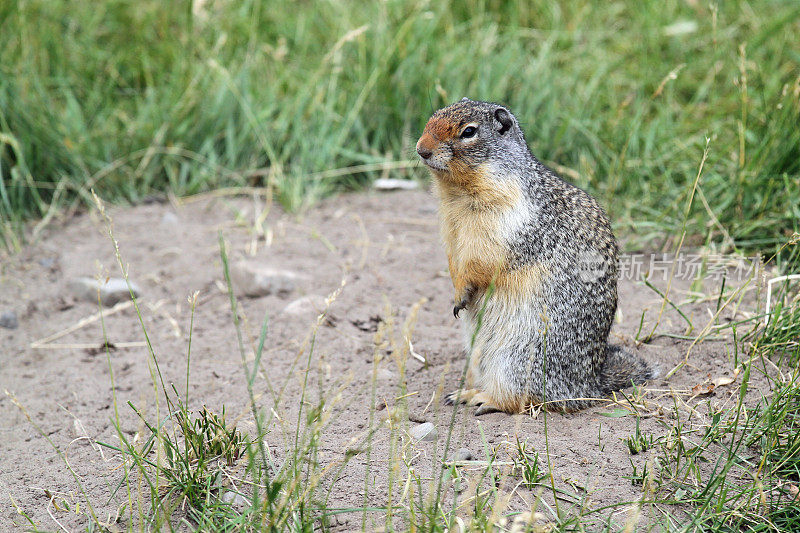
[(132, 98)]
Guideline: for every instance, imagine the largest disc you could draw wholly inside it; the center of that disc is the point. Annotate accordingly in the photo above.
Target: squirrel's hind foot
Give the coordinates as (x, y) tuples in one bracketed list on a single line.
[(486, 408), (474, 397), (461, 396)]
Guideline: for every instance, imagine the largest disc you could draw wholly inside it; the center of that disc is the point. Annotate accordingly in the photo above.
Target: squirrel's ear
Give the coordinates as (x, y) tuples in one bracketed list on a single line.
[(505, 120)]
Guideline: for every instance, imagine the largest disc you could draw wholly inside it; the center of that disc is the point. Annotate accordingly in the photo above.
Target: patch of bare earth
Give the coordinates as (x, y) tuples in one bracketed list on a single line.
[(386, 249)]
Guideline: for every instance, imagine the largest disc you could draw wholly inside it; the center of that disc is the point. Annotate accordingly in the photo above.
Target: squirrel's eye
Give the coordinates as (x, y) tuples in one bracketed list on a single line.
[(468, 132)]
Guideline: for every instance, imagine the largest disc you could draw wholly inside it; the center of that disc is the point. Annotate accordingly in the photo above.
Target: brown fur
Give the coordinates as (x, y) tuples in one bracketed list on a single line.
[(521, 284), (470, 217), (440, 129)]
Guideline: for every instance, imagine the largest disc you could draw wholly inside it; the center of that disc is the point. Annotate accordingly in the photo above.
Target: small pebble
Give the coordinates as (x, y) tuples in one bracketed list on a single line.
[(392, 184), (234, 498), (8, 320), (47, 262), (384, 374), (424, 432), (255, 280), (311, 305), (463, 454), (170, 219), (112, 291)]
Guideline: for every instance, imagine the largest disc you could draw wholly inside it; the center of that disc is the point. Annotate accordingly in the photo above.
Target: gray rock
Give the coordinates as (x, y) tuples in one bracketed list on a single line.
[(255, 280), (392, 184), (235, 499), (384, 374), (170, 219), (463, 454), (311, 305), (8, 320), (426, 432), (47, 262), (112, 290)]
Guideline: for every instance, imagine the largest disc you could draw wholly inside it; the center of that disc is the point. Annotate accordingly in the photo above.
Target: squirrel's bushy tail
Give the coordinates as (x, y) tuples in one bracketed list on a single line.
[(622, 369)]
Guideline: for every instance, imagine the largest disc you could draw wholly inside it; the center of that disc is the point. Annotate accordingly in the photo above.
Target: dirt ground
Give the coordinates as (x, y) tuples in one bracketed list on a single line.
[(386, 248)]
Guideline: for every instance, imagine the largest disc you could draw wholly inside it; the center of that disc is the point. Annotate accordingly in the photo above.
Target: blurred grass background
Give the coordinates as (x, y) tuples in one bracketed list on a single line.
[(131, 98)]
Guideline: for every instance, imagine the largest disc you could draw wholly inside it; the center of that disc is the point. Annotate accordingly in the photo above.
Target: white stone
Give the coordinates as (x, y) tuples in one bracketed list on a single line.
[(111, 290), (311, 305), (256, 280), (426, 431), (234, 498), (384, 374), (170, 219), (463, 454), (393, 184)]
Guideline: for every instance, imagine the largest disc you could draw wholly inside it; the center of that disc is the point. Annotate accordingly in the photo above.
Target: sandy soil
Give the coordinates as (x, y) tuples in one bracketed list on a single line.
[(386, 249)]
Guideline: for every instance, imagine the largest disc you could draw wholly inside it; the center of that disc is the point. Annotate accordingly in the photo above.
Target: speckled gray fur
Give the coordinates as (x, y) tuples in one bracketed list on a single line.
[(553, 347)]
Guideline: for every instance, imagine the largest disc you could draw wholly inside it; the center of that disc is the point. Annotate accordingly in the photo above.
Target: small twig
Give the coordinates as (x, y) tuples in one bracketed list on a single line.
[(86, 345), (81, 323)]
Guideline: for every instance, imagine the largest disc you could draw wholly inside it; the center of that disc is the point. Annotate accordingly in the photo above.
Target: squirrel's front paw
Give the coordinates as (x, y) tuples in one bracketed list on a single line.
[(470, 292)]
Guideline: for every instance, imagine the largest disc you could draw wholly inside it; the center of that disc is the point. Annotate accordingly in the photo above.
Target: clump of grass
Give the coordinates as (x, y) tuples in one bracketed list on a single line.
[(777, 420), (639, 475), (779, 339), (638, 442), (526, 464), (193, 470), (777, 431), (192, 475), (738, 468), (208, 434)]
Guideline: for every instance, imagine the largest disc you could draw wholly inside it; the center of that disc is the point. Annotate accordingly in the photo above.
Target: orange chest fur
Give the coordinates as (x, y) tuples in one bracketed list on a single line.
[(476, 248), (477, 228)]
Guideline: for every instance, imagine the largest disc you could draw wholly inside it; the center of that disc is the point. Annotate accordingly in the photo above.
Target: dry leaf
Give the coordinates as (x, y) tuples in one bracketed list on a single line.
[(702, 389), (725, 380), (719, 382)]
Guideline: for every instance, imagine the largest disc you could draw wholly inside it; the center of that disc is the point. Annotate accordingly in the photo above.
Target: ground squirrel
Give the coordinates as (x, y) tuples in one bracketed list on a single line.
[(547, 248)]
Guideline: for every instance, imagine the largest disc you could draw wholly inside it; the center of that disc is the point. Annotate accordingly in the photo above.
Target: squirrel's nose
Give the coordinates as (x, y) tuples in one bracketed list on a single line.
[(424, 153)]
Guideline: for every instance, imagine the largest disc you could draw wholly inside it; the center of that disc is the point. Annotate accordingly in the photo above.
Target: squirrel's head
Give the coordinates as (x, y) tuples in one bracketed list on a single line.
[(461, 137)]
